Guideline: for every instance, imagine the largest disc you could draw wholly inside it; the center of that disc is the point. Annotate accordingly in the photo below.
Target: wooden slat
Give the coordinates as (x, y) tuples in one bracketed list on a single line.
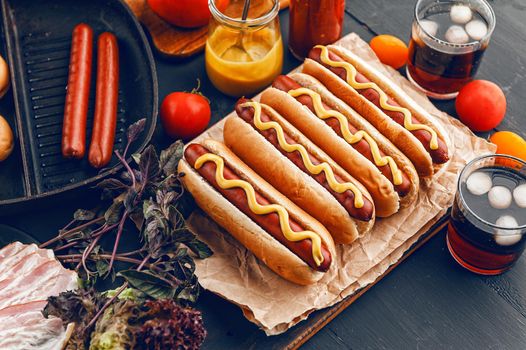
[(169, 40)]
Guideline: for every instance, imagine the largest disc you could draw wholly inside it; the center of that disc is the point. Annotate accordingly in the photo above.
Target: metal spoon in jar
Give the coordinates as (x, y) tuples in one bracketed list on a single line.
[(238, 50)]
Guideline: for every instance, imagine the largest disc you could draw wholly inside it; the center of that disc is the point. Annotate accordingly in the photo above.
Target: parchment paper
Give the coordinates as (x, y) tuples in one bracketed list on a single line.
[(276, 304)]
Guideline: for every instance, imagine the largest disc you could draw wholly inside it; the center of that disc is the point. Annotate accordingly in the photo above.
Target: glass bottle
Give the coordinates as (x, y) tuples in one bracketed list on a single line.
[(314, 22)]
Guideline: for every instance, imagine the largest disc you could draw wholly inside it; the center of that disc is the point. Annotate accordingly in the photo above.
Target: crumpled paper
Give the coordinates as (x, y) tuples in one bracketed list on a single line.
[(275, 304)]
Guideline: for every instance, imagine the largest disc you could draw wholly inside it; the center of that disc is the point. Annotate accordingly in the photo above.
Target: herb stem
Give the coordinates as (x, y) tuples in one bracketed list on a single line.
[(108, 303), (117, 293), (87, 252), (69, 224), (133, 252), (141, 265), (117, 239), (128, 168), (78, 257), (65, 246), (73, 230)]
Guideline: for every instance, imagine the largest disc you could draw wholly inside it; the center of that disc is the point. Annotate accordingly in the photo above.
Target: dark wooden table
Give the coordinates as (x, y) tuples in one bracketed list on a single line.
[(428, 302)]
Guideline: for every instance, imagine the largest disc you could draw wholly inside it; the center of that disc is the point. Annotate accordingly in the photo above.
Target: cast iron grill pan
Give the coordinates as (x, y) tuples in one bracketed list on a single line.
[(37, 38)]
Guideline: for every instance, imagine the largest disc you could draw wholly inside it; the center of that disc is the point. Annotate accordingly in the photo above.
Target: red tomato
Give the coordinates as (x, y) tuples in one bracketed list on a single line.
[(481, 105), (185, 115), (185, 13)]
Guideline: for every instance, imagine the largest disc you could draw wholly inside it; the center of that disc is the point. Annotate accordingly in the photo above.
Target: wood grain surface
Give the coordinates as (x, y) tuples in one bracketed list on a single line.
[(169, 40), (504, 62)]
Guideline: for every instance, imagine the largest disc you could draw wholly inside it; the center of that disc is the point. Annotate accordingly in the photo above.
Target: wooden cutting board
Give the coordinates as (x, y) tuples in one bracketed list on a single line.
[(169, 40)]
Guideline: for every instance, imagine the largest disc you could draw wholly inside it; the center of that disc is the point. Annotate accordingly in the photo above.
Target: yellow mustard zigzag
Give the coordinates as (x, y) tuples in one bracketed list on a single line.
[(312, 168), (351, 80), (351, 138), (262, 209)]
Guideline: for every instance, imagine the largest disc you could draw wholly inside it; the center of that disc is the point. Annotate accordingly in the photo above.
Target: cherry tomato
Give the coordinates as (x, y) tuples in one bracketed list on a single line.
[(185, 13), (481, 105), (390, 50), (509, 143), (185, 114)]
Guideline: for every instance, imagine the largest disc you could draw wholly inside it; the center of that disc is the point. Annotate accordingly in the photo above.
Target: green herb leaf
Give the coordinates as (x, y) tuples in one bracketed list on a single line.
[(149, 164), (170, 157), (200, 248), (138, 219), (136, 158), (148, 283), (129, 199), (111, 184), (113, 214), (102, 267), (83, 215), (189, 293)]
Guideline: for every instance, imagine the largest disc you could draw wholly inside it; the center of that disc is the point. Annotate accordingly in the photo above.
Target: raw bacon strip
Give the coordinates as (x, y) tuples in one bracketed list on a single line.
[(8, 262), (46, 280), (10, 249), (36, 333), (28, 276), (20, 314), (24, 266)]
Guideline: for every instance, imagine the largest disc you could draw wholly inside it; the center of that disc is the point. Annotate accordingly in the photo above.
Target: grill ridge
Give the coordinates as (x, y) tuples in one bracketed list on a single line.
[(47, 61)]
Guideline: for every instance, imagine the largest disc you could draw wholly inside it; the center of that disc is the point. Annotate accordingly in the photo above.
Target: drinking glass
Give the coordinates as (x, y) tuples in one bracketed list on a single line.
[(440, 67), (487, 230)]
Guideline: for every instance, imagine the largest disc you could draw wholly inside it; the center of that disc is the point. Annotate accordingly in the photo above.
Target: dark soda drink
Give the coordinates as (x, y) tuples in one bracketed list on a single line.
[(448, 40), (487, 230)]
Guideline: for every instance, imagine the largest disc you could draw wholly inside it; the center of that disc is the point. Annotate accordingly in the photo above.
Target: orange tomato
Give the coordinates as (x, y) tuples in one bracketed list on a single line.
[(390, 50), (509, 143)]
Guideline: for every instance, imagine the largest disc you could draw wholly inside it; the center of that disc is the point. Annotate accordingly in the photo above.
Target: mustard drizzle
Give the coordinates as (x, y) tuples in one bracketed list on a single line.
[(262, 209), (351, 80), (312, 168), (351, 138)]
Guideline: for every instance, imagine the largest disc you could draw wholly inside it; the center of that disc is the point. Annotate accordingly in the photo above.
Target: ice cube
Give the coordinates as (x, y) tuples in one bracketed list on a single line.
[(460, 14), (519, 194), (456, 35), (476, 29), (430, 27), (500, 197), (507, 237), (479, 183)]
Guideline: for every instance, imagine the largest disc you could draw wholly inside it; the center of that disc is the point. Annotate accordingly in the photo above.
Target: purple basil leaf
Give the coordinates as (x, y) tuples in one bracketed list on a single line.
[(135, 129)]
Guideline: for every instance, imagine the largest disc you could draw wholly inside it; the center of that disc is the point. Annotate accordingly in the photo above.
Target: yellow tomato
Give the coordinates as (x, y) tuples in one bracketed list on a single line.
[(509, 143), (390, 50), (6, 139)]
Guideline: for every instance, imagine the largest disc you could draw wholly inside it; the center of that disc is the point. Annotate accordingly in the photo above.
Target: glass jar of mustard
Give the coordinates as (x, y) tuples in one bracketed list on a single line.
[(244, 56)]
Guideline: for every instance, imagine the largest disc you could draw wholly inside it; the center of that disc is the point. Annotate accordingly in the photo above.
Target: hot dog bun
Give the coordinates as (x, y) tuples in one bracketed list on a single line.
[(381, 188), (264, 246), (290, 180), (392, 89), (396, 133)]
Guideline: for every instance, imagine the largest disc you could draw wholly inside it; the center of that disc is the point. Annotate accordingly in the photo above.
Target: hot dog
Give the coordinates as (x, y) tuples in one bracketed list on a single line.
[(106, 98), (348, 138), (79, 80), (300, 170), (382, 103), (280, 234)]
